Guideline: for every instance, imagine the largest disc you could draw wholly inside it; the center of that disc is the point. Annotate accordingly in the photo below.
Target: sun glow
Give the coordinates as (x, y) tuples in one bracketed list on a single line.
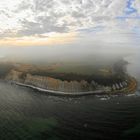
[(44, 40)]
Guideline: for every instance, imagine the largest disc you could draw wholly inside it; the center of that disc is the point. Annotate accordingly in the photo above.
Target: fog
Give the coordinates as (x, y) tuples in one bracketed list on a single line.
[(134, 65), (65, 53), (87, 48)]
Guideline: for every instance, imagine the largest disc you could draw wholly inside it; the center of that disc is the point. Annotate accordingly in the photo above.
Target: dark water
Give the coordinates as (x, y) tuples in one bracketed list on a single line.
[(29, 115)]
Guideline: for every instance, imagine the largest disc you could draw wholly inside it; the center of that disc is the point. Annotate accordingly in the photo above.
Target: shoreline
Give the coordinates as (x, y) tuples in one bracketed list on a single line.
[(54, 92), (130, 89)]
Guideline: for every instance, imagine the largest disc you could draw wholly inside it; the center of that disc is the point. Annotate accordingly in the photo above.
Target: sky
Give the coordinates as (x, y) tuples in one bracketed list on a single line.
[(56, 27)]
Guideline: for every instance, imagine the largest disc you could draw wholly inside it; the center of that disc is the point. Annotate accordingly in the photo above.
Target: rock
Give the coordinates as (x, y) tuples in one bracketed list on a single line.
[(14, 76)]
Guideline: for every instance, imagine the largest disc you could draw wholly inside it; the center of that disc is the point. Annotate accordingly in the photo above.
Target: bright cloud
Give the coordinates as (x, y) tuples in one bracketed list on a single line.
[(32, 19), (39, 40)]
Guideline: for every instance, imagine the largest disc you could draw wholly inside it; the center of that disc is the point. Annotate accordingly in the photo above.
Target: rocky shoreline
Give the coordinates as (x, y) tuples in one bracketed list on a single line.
[(54, 92), (72, 88), (128, 90)]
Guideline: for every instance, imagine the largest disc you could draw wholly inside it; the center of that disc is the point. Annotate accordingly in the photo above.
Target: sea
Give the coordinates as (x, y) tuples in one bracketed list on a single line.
[(26, 114)]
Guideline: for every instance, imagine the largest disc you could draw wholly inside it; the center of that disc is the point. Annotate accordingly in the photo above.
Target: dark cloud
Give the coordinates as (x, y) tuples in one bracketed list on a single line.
[(43, 5), (3, 12), (43, 25)]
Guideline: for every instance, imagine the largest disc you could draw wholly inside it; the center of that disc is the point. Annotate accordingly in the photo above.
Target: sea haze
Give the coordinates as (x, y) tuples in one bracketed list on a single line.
[(48, 47), (27, 114)]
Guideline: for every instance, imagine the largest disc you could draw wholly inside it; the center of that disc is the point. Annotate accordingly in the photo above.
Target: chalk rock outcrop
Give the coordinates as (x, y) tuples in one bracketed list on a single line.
[(50, 83), (56, 84), (14, 76)]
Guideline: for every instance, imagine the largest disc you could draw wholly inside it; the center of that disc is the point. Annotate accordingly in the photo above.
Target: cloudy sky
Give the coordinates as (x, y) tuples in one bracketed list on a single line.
[(64, 24)]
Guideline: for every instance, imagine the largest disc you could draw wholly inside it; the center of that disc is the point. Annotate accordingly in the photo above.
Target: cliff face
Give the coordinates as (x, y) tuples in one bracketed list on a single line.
[(14, 76), (58, 85), (50, 83)]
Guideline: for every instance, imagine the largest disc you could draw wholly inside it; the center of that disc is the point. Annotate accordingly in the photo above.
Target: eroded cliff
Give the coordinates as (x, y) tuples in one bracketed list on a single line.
[(50, 83)]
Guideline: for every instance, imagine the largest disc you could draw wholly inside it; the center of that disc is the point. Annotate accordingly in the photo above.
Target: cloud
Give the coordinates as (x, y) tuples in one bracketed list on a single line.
[(34, 18), (39, 16), (39, 40), (64, 16)]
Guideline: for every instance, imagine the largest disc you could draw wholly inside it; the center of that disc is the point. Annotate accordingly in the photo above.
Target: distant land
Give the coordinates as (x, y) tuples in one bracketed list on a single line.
[(71, 78)]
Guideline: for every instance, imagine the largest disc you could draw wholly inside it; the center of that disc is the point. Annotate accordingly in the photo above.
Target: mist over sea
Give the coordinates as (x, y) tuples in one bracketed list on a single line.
[(78, 46), (134, 65), (26, 114)]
